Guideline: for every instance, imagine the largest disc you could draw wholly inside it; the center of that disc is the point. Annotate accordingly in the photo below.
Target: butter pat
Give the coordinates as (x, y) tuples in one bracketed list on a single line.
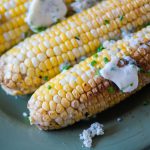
[(126, 77), (43, 13)]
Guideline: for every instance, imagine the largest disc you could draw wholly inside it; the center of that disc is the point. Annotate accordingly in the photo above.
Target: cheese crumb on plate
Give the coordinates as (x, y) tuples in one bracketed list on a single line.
[(87, 135)]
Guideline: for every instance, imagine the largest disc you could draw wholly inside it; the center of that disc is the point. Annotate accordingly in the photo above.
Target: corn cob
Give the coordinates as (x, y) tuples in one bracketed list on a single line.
[(26, 66), (79, 92), (13, 27)]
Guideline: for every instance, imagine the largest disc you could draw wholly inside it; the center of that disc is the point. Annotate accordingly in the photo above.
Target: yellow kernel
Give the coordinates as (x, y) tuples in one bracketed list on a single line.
[(48, 64), (75, 104), (59, 108), (45, 106), (61, 93), (52, 114), (79, 89), (65, 102), (69, 96), (57, 99), (54, 61), (76, 94), (67, 88), (52, 105)]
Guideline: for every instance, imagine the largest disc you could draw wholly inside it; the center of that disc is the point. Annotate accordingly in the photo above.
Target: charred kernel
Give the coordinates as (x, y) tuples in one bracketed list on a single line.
[(89, 95), (92, 83), (65, 102), (98, 80), (95, 91), (86, 87), (106, 84), (100, 87)]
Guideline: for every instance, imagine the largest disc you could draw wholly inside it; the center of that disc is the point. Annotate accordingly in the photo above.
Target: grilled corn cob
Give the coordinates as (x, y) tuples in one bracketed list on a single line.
[(13, 27), (79, 92), (31, 63)]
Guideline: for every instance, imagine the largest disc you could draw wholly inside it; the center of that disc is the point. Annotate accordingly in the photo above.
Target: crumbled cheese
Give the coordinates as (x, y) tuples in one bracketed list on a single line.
[(126, 77), (87, 135), (80, 5), (24, 114), (43, 13)]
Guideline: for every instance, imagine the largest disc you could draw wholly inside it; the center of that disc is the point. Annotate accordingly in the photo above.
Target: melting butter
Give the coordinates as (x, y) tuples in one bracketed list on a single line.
[(43, 13), (126, 77)]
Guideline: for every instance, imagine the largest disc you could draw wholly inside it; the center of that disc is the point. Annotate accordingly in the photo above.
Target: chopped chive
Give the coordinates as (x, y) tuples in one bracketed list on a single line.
[(111, 90), (49, 87), (93, 63), (106, 22), (97, 73), (77, 38), (106, 60), (121, 17), (45, 78), (66, 67), (100, 48), (146, 24), (131, 84), (26, 34), (141, 70), (39, 29), (95, 55)]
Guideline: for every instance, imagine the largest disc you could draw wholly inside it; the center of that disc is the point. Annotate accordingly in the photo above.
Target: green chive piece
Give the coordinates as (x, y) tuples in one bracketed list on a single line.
[(39, 29), (111, 90), (77, 38), (93, 63), (26, 34), (106, 22), (66, 67), (97, 73), (131, 84), (46, 78), (100, 48), (95, 55), (106, 60), (141, 70), (121, 18), (49, 87)]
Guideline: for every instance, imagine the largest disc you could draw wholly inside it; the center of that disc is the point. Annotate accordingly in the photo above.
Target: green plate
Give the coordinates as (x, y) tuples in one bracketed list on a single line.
[(132, 133)]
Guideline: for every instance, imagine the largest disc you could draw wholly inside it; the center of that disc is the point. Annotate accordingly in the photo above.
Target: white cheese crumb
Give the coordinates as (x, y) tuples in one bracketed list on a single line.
[(80, 5), (24, 114), (87, 135)]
